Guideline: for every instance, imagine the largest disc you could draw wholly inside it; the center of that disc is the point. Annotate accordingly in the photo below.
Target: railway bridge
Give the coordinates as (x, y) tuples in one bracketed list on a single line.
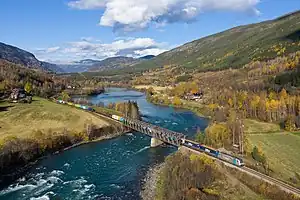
[(158, 134)]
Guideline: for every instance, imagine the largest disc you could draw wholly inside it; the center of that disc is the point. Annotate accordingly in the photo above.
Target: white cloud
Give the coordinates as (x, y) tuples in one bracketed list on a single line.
[(145, 52), (52, 49), (94, 49), (87, 4), (131, 15)]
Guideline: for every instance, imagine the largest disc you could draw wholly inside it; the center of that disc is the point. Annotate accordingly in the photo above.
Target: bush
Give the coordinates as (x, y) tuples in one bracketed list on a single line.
[(290, 123), (183, 78)]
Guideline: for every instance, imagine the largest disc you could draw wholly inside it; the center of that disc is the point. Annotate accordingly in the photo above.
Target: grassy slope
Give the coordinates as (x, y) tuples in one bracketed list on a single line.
[(23, 119), (232, 48), (281, 148), (253, 126)]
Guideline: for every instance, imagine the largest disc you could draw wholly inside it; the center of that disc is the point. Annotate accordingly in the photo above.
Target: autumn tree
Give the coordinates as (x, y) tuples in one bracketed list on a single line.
[(283, 94), (65, 96), (290, 124), (28, 87), (199, 137), (217, 135), (177, 101)]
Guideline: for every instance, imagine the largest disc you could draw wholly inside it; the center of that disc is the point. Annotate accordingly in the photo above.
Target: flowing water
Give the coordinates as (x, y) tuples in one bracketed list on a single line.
[(111, 169)]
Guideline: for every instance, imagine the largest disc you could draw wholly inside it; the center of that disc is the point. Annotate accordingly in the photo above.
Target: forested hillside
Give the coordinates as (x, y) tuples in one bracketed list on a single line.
[(235, 47), (43, 84)]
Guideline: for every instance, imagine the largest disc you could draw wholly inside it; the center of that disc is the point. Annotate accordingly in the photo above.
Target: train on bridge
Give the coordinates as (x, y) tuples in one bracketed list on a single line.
[(187, 143)]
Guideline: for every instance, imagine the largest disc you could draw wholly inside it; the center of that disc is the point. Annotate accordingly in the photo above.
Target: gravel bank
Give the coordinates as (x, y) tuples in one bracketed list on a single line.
[(149, 183)]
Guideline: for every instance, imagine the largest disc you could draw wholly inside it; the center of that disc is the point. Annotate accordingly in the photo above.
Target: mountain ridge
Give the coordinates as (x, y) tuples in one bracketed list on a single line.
[(19, 56)]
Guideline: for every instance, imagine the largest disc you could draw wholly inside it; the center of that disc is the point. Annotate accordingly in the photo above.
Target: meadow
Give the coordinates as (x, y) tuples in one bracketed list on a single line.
[(23, 119), (280, 148)]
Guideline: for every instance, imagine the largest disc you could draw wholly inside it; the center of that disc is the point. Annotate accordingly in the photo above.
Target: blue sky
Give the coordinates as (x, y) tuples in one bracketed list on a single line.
[(62, 31)]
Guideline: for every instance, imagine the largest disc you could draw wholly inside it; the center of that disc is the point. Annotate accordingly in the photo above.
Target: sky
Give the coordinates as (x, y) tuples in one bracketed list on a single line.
[(64, 31)]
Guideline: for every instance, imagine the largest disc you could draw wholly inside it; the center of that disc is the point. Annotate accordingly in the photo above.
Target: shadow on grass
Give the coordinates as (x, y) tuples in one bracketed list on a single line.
[(5, 108)]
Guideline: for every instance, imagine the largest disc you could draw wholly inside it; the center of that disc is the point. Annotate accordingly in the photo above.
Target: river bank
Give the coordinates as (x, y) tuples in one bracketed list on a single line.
[(199, 109), (150, 182)]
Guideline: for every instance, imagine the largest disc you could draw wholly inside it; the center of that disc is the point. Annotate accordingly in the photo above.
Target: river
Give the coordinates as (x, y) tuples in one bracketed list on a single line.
[(110, 169)]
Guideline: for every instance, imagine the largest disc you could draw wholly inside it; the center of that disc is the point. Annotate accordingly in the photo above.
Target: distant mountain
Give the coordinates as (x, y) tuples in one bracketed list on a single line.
[(233, 48), (114, 63), (27, 59), (101, 65), (79, 66)]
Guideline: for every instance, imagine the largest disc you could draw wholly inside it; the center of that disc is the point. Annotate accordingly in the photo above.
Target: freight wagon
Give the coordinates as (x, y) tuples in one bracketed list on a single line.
[(116, 117)]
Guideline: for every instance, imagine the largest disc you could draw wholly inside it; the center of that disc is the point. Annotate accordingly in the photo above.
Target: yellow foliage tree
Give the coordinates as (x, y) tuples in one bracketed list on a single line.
[(283, 94), (177, 101)]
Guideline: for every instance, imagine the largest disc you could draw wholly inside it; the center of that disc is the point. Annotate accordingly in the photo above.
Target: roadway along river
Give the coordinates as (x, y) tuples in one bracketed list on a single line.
[(111, 169)]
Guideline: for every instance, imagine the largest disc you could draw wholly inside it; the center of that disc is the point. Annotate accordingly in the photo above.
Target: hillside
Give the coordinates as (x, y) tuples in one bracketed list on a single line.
[(235, 47), (22, 57)]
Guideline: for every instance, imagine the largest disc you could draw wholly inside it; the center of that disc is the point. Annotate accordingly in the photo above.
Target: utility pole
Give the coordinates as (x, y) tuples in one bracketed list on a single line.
[(241, 136)]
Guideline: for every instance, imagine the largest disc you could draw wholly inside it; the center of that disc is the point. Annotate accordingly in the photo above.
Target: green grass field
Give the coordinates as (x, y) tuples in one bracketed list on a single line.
[(23, 119), (253, 126), (282, 152)]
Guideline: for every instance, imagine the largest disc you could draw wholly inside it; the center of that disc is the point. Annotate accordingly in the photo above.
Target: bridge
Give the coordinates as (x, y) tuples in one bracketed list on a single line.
[(158, 134)]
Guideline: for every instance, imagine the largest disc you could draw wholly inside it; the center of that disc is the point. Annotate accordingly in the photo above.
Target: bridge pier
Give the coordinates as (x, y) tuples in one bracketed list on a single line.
[(155, 142)]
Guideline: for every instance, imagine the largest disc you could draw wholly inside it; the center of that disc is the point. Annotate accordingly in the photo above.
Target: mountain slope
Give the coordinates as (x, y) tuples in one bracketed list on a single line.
[(234, 47), (22, 57), (113, 63)]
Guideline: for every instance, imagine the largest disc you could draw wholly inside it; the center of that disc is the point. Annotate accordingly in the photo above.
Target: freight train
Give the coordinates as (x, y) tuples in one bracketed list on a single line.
[(213, 152), (190, 144), (84, 107)]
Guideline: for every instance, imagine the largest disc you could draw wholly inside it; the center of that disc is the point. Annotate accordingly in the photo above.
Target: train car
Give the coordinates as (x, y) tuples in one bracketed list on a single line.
[(210, 150), (116, 117), (77, 105), (122, 119), (192, 144), (91, 109), (70, 103), (231, 159), (84, 107)]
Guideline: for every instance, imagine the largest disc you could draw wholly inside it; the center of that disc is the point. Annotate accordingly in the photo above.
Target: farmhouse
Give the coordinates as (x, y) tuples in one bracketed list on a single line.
[(19, 95)]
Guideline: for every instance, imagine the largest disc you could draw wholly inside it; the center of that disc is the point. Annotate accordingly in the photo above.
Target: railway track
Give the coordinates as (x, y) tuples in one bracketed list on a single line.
[(272, 180)]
